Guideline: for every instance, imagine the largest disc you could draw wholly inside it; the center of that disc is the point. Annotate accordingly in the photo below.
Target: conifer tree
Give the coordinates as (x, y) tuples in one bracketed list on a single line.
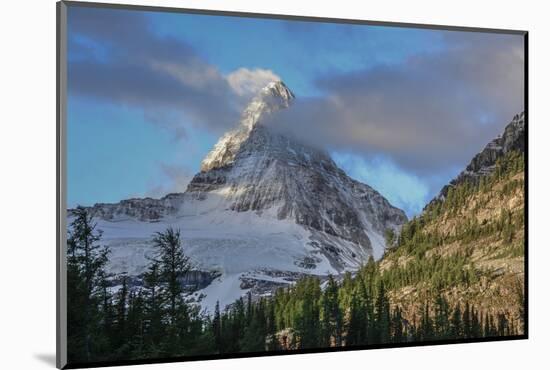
[(86, 261), (331, 315), (466, 322), (120, 313), (153, 310), (382, 314), (476, 330), (456, 328), (398, 334), (426, 325), (356, 324), (442, 327), (173, 264), (217, 328)]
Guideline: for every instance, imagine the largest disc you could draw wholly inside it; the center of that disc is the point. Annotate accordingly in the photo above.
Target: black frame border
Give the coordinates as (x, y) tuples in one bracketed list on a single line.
[(61, 100)]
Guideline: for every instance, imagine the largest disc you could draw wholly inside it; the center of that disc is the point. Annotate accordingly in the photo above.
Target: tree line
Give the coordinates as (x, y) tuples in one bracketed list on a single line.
[(156, 320)]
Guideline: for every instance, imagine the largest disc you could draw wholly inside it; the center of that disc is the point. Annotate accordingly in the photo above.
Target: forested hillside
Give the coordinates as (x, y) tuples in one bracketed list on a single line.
[(468, 247), (454, 272)]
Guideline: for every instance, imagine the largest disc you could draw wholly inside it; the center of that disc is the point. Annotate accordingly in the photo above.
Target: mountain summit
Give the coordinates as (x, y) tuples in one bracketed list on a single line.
[(264, 210), (271, 98)]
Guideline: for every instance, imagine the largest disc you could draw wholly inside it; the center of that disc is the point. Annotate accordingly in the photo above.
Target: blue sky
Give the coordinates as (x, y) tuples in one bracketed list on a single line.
[(401, 109)]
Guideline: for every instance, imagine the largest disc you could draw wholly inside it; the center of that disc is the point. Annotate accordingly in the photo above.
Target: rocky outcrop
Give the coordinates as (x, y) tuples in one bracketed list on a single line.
[(197, 279), (484, 163)]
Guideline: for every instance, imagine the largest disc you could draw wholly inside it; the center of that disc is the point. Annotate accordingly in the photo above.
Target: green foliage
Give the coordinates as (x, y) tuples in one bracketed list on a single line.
[(137, 322), (438, 272), (390, 238), (153, 319), (415, 242), (88, 302)]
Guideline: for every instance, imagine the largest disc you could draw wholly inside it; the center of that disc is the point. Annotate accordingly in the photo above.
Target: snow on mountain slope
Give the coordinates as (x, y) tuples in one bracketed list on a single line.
[(264, 210)]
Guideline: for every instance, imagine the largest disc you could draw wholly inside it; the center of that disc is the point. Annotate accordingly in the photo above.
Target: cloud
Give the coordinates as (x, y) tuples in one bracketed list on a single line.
[(431, 111), (174, 179), (403, 190), (423, 112), (115, 56), (247, 82)]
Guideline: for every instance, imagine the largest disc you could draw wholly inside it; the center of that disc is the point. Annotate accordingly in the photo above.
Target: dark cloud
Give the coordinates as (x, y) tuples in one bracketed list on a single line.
[(432, 111), (118, 58)]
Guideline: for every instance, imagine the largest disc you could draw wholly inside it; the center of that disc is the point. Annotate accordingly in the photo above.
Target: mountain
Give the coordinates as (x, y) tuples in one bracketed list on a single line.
[(484, 163), (468, 245), (264, 210)]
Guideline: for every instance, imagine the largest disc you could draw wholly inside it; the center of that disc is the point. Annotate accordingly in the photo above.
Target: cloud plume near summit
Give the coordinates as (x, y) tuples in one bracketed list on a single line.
[(449, 102)]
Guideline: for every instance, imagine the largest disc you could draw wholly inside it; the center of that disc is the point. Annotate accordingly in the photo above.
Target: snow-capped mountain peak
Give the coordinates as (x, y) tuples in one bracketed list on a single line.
[(278, 89), (264, 209), (271, 98), (276, 95)]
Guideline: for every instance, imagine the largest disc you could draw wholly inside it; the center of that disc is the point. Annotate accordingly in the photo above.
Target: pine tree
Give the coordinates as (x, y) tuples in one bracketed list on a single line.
[(153, 307), (390, 238), (502, 325), (217, 328), (86, 261), (107, 312), (456, 329), (442, 327), (382, 314), (135, 315), (489, 329), (426, 330), (121, 301), (306, 312), (398, 334), (356, 325), (331, 315), (271, 326), (254, 336), (476, 331), (205, 342), (174, 264), (466, 322)]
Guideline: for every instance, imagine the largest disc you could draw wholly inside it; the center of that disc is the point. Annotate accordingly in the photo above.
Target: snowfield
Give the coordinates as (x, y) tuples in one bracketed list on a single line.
[(218, 241)]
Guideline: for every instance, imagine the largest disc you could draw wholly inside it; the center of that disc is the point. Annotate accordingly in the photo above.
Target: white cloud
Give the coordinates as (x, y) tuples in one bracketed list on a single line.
[(196, 74), (402, 189), (429, 112), (174, 179), (247, 82)]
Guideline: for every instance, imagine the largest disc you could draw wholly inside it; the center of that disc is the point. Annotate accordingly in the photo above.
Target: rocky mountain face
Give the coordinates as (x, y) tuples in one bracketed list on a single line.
[(263, 206), (469, 245), (257, 169), (142, 209), (484, 163)]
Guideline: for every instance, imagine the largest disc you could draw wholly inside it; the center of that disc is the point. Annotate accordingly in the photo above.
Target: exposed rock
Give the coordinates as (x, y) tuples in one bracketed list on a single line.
[(484, 162), (197, 279)]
